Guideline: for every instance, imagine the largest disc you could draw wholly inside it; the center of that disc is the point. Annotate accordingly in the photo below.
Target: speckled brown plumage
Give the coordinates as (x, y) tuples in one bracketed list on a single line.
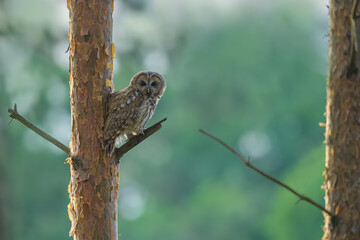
[(130, 108)]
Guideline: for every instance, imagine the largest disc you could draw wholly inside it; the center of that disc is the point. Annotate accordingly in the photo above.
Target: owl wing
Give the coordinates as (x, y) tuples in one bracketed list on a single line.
[(122, 111)]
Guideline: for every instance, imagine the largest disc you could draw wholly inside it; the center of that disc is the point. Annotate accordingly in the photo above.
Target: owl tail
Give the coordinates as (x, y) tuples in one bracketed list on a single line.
[(115, 142), (108, 146), (110, 149)]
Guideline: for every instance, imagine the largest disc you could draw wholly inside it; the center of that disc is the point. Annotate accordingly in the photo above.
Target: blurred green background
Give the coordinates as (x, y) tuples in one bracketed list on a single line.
[(250, 72)]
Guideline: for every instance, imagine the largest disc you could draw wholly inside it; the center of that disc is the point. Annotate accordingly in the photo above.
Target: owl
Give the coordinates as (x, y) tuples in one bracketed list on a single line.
[(129, 109)]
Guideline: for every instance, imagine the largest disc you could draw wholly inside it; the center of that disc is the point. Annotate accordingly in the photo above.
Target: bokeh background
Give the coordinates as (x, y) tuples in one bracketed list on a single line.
[(252, 72)]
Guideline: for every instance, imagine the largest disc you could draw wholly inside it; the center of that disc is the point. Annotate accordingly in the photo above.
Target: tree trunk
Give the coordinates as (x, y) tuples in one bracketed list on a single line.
[(342, 168), (93, 188), (3, 203)]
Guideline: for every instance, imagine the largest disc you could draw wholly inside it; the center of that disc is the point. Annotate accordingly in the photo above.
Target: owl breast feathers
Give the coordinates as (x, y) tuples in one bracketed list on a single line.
[(129, 109)]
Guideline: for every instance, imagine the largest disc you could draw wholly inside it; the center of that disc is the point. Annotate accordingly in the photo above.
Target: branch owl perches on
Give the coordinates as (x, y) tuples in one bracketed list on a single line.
[(129, 109)]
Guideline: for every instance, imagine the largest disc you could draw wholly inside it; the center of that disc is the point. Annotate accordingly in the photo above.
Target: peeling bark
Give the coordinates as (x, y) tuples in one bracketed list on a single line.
[(93, 188), (342, 168)]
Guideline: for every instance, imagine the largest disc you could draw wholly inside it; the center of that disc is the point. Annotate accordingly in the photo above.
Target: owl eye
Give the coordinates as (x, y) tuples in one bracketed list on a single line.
[(153, 84), (143, 83)]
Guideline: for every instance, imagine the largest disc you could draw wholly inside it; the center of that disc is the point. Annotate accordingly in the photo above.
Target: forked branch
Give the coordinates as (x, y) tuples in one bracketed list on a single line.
[(248, 164)]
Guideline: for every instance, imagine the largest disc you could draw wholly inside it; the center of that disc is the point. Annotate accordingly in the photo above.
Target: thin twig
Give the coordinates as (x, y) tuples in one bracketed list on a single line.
[(248, 164), (119, 152), (15, 115)]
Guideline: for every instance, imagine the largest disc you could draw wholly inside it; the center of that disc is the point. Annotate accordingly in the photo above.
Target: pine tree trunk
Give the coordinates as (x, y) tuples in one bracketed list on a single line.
[(3, 203), (93, 188), (342, 168)]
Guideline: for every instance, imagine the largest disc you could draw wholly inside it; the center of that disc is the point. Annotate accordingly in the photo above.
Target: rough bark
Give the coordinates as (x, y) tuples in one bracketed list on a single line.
[(3, 203), (342, 168), (93, 188)]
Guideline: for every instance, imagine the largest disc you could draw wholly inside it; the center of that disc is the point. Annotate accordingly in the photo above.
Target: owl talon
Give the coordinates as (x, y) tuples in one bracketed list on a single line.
[(121, 140)]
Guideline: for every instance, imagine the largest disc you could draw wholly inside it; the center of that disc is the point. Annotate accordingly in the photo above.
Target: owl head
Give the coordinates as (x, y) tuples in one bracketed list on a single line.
[(150, 84)]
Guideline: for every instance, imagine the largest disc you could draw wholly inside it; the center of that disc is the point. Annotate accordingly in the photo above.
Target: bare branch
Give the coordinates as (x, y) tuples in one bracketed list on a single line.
[(15, 115), (248, 164), (119, 152)]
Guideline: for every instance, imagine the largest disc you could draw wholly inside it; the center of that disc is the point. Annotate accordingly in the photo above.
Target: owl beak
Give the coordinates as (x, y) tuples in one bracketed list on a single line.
[(148, 90)]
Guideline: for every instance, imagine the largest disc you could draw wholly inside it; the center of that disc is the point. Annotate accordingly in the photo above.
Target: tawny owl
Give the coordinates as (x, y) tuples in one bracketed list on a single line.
[(130, 108)]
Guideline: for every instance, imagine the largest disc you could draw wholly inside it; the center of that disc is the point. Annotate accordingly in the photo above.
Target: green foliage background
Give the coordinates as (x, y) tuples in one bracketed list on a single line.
[(246, 71)]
